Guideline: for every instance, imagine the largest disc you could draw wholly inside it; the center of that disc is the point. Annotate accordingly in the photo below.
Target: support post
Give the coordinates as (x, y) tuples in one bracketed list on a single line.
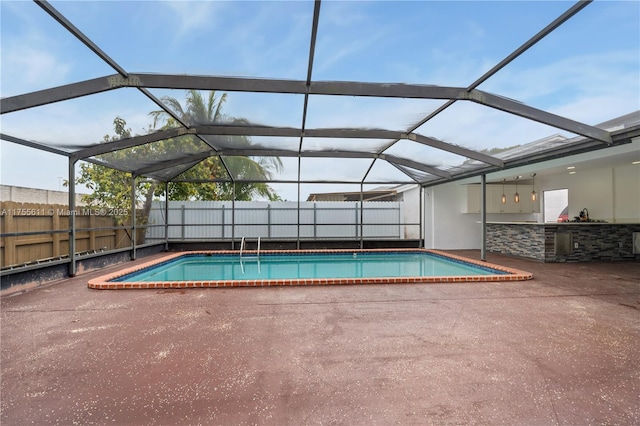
[(166, 216), (224, 222), (361, 216), (133, 217), (72, 217), (402, 226), (421, 219), (483, 216), (298, 219), (233, 217), (269, 220)]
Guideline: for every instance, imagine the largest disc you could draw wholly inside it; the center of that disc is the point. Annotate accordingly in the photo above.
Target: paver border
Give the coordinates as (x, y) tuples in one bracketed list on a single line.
[(106, 282)]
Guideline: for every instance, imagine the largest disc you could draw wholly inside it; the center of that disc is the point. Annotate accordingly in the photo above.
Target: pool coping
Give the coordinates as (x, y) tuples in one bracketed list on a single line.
[(104, 282)]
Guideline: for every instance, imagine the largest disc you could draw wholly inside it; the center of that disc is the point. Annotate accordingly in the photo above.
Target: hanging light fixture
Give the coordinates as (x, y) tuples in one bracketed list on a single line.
[(534, 194), (516, 196), (504, 197)]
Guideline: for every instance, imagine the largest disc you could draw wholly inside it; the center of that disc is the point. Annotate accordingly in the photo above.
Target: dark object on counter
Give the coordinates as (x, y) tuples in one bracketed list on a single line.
[(584, 217)]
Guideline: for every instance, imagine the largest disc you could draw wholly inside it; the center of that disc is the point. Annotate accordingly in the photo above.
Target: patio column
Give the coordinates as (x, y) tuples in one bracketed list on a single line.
[(72, 216), (483, 216), (421, 219), (233, 216), (166, 216), (133, 217), (298, 213), (361, 216)]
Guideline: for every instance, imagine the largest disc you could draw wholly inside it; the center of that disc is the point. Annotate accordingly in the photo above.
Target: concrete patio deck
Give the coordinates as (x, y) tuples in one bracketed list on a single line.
[(561, 349)]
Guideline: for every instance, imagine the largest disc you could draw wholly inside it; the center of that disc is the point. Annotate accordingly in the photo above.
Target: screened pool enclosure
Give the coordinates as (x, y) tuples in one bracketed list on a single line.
[(310, 97)]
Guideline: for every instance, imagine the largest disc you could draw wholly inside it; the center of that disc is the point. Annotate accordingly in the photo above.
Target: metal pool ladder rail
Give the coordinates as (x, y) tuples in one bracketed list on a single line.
[(257, 257), (242, 247)]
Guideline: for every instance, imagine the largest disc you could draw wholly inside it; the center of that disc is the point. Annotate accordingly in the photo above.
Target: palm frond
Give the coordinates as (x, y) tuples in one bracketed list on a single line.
[(217, 117)]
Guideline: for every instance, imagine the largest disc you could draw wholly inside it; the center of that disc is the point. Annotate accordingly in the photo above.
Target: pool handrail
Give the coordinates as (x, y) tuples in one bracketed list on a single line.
[(242, 247)]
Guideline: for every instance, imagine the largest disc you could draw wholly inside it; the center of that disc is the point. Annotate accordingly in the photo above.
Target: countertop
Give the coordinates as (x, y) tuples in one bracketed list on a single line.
[(561, 223)]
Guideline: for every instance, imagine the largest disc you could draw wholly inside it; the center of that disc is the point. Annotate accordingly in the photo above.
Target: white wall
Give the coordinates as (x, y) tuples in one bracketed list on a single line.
[(445, 226), (21, 194), (626, 198), (411, 212), (609, 194)]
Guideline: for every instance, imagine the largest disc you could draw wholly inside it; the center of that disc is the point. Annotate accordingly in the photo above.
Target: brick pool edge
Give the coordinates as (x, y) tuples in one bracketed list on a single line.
[(105, 282)]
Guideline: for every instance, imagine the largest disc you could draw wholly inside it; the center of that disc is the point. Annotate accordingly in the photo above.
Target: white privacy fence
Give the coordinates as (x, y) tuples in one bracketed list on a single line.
[(224, 220)]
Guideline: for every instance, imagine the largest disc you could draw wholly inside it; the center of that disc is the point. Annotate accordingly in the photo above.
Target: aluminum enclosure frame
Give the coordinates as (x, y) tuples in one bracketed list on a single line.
[(309, 87), (592, 137)]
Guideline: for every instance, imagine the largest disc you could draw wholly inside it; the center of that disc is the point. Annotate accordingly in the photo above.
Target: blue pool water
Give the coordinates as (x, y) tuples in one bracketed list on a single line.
[(293, 266)]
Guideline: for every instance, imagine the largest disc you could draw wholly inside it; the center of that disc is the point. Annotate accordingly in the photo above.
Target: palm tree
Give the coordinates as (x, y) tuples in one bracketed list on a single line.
[(197, 111)]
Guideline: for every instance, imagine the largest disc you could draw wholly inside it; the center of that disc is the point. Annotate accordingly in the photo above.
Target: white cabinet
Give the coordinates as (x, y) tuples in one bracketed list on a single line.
[(494, 200)]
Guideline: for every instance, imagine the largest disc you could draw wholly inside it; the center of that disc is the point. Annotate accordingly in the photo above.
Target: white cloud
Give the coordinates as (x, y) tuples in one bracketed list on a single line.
[(597, 109), (29, 57), (75, 123), (17, 167), (26, 69), (189, 17), (347, 111), (612, 73), (345, 31)]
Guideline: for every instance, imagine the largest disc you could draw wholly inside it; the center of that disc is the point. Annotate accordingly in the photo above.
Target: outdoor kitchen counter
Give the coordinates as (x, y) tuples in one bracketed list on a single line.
[(601, 223), (565, 241)]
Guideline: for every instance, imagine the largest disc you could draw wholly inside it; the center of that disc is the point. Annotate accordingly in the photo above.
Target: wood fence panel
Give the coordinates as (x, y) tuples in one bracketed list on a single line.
[(30, 217)]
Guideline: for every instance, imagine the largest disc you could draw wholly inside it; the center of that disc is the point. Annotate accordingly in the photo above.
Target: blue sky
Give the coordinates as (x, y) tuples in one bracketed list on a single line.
[(587, 70)]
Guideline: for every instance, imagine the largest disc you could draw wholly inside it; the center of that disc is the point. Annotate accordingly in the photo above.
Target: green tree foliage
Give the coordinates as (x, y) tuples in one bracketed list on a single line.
[(198, 111), (112, 188)]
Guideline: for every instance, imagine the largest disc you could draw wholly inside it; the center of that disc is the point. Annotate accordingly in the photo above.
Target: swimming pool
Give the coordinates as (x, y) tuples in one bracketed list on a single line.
[(309, 267)]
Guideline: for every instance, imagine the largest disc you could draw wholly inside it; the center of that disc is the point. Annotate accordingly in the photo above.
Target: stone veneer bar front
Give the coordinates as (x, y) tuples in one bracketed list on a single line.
[(590, 241)]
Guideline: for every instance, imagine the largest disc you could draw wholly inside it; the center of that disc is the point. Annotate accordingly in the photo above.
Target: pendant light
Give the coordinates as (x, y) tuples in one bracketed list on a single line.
[(534, 194), (504, 197), (516, 196)]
